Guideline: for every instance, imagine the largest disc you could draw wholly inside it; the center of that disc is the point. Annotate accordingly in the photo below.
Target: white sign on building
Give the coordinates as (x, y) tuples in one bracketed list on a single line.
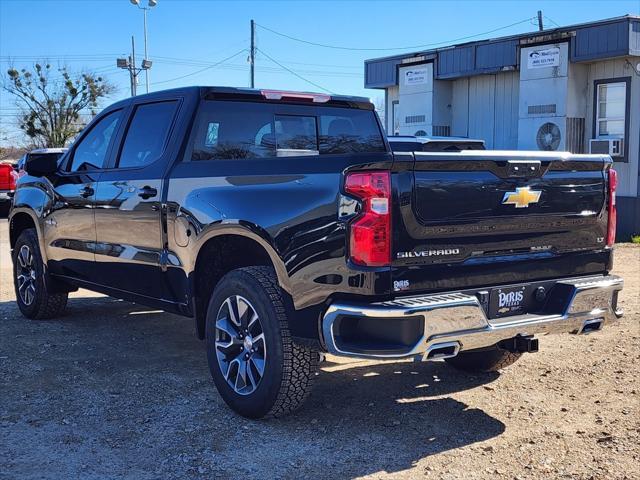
[(416, 76), (547, 57)]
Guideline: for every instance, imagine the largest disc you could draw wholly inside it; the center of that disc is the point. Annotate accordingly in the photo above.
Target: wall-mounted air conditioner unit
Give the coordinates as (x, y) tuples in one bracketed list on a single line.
[(554, 134), (609, 146)]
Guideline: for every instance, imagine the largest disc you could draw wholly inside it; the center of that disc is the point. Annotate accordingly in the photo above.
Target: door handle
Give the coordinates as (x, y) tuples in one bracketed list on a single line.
[(86, 191), (147, 192)]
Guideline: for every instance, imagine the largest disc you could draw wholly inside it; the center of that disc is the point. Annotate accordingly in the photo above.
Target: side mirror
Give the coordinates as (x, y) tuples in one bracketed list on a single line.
[(41, 165)]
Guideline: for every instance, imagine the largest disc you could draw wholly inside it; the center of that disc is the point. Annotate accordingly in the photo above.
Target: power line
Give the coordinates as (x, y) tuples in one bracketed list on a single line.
[(551, 21), (293, 73), (237, 67), (203, 69), (158, 59), (410, 47), (202, 63)]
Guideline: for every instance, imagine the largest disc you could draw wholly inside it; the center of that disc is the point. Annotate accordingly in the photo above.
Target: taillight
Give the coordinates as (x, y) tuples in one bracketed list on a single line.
[(611, 225), (370, 232), (7, 178)]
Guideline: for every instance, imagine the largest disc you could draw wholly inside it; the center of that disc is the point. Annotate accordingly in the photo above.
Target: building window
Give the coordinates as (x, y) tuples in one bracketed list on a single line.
[(395, 117), (611, 109)]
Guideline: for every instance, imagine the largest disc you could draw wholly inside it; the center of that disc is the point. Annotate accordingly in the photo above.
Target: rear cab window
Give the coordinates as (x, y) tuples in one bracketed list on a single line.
[(147, 134), (227, 130)]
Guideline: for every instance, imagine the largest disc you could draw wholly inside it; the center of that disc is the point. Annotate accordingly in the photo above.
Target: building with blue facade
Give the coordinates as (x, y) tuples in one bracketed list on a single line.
[(573, 88)]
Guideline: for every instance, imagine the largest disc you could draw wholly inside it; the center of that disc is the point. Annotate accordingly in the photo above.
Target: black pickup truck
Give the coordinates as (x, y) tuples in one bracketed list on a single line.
[(285, 226)]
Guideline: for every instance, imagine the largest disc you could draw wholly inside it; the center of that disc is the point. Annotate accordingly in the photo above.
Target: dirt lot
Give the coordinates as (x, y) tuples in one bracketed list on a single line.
[(115, 390)]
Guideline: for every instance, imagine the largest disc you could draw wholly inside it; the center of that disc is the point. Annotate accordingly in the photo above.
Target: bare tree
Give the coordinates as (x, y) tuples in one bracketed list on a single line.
[(380, 108), (52, 108)]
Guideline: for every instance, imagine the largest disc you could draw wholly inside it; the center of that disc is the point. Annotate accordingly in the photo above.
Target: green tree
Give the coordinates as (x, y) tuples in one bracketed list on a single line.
[(52, 107)]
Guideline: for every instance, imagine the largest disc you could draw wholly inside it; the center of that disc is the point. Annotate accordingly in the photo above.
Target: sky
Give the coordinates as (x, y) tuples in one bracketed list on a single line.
[(200, 42)]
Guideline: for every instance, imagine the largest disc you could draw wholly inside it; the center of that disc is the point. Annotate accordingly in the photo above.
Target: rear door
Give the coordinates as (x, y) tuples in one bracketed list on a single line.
[(128, 202), (474, 218), (69, 228)]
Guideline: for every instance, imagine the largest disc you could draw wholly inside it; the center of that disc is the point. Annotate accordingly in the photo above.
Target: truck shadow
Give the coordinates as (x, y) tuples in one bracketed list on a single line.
[(133, 386)]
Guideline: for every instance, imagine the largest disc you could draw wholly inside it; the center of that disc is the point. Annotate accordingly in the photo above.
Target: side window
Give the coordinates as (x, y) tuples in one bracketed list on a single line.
[(233, 130), (91, 152), (147, 134)]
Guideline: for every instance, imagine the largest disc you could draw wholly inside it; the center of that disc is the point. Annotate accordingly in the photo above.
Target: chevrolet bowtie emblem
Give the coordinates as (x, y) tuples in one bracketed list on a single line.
[(522, 197)]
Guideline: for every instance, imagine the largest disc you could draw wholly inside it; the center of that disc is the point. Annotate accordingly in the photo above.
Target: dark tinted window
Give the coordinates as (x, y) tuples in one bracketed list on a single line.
[(91, 152), (147, 134), (295, 132), (344, 130), (235, 130)]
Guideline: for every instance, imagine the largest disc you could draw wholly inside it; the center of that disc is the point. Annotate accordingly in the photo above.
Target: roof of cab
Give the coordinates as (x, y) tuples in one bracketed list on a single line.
[(49, 150), (212, 92)]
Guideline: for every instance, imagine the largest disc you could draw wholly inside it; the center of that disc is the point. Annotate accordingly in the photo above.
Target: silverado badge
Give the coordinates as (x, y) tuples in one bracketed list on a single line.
[(522, 197)]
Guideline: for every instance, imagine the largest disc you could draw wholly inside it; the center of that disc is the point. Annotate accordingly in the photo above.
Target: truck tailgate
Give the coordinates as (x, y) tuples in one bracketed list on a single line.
[(486, 218)]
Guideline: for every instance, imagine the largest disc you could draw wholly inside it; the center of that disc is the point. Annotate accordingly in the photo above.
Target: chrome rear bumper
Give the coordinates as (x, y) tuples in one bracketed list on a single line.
[(454, 322)]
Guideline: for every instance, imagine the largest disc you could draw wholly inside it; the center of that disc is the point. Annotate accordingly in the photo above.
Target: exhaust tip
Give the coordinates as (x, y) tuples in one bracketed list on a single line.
[(591, 326), (442, 350)]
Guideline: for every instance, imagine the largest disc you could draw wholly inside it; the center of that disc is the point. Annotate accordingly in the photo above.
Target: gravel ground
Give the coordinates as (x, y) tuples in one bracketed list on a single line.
[(116, 390)]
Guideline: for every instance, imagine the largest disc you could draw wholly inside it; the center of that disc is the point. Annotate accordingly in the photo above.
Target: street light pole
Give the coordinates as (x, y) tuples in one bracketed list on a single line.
[(146, 72), (151, 4)]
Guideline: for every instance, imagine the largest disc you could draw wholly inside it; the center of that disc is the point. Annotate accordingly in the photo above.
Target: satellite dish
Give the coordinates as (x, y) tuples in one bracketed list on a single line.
[(548, 136)]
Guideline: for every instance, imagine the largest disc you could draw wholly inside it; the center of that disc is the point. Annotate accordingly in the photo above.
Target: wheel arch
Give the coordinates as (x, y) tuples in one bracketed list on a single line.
[(224, 249), (21, 219)]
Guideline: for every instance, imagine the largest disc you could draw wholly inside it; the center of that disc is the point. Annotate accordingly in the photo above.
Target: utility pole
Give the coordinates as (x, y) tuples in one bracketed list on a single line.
[(132, 78), (132, 69), (130, 65), (540, 25), (252, 53), (146, 72)]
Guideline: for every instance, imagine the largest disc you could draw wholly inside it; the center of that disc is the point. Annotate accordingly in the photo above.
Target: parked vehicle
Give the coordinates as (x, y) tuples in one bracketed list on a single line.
[(408, 143), (53, 153), (284, 225), (8, 179)]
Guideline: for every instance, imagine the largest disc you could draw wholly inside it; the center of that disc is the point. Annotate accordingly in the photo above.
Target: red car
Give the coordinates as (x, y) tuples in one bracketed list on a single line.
[(8, 178)]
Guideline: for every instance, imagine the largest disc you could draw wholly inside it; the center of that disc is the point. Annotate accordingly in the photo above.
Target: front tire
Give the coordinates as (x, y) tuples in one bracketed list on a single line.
[(32, 287), (483, 361), (257, 367)]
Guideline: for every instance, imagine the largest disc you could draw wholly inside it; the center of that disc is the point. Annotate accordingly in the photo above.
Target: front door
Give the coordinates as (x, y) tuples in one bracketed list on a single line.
[(69, 227), (130, 245)]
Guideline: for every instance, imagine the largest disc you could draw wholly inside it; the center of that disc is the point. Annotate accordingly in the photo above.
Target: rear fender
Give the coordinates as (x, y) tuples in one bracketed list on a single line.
[(247, 230), (36, 219)]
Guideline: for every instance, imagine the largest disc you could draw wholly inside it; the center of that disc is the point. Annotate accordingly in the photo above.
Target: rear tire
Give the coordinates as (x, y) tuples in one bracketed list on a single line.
[(32, 284), (257, 367), (478, 361)]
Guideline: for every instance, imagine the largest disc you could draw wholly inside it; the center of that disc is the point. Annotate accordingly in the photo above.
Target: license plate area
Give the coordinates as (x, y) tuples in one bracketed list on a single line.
[(508, 301)]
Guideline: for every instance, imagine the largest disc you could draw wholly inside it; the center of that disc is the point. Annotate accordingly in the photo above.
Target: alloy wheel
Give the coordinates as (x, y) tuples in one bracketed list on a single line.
[(240, 344), (26, 275)]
